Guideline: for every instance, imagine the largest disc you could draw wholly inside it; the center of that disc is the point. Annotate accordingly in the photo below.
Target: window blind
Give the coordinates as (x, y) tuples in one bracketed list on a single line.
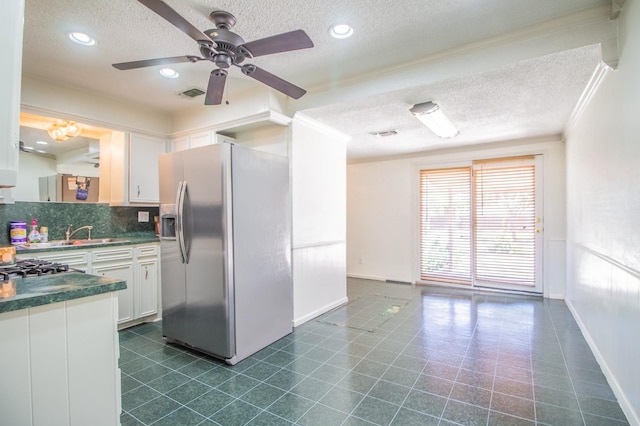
[(504, 221), (445, 225)]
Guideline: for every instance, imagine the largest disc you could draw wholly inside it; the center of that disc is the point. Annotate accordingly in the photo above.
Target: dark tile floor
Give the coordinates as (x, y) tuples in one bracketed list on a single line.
[(396, 355)]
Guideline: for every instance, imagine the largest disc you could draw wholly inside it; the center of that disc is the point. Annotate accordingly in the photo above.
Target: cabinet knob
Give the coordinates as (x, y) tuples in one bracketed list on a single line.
[(146, 273), (138, 190)]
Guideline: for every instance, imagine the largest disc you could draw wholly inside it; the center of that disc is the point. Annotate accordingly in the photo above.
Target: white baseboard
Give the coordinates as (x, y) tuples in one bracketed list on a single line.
[(318, 312), (627, 407), (366, 277), (558, 296)]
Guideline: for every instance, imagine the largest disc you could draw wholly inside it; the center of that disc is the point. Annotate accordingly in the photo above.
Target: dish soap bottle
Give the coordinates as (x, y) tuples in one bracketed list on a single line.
[(34, 235)]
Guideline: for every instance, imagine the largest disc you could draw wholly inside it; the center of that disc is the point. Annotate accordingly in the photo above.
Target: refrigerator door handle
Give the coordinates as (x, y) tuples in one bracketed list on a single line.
[(182, 190)]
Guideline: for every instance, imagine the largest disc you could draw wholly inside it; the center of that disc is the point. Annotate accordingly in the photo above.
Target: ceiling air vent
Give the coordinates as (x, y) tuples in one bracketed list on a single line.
[(385, 133), (192, 93)]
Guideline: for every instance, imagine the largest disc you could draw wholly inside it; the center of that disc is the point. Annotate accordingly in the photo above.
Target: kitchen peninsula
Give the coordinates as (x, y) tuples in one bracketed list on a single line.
[(59, 350)]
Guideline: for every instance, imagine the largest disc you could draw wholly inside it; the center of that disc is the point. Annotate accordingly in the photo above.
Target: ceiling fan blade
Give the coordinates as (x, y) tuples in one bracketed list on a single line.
[(293, 40), (153, 62), (215, 89), (162, 9), (273, 81)]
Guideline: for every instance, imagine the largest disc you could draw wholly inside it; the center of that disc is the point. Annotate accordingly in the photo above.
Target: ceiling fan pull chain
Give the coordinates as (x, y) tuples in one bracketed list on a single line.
[(226, 91)]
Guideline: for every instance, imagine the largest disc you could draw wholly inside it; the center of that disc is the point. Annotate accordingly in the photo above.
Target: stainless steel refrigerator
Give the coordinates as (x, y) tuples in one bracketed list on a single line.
[(225, 239)]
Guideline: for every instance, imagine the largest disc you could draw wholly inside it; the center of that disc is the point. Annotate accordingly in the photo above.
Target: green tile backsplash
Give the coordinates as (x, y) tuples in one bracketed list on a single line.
[(107, 221)]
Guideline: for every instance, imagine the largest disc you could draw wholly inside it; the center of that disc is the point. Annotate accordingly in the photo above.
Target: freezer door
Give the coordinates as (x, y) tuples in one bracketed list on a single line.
[(173, 270), (209, 299)]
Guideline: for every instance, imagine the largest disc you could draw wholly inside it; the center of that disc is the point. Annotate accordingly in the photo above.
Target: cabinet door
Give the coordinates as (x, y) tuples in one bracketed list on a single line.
[(200, 139), (146, 287), (122, 271), (180, 144), (143, 168), (11, 57)]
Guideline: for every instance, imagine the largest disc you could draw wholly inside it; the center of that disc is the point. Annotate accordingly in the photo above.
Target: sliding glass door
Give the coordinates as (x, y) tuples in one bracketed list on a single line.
[(481, 224)]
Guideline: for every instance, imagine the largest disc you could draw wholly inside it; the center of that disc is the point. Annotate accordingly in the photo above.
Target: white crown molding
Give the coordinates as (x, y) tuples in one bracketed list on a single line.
[(599, 74)]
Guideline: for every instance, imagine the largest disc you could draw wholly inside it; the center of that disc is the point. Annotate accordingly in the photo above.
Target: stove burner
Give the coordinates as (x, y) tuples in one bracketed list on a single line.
[(32, 268)]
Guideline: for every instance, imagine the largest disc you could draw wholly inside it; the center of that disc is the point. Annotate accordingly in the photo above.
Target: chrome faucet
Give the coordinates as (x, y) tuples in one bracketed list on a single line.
[(68, 233)]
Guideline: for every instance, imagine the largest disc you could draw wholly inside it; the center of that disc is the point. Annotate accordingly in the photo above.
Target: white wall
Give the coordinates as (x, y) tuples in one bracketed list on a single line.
[(318, 194), (603, 206), (32, 166), (45, 98), (382, 211)]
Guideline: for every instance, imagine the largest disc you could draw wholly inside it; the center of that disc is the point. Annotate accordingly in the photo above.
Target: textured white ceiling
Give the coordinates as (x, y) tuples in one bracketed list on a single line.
[(526, 99), (526, 95)]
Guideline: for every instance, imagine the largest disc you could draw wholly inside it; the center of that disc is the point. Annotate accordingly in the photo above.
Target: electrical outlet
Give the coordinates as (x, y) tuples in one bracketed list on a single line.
[(143, 216)]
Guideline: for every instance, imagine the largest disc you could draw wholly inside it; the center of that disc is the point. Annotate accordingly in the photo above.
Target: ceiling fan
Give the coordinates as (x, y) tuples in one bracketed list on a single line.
[(225, 48)]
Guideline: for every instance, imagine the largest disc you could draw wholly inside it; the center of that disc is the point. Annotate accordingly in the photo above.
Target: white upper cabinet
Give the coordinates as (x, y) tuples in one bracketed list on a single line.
[(143, 168), (11, 23), (180, 144), (198, 139)]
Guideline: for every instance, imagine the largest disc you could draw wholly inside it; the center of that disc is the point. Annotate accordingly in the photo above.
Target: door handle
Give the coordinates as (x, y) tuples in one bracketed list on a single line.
[(182, 191)]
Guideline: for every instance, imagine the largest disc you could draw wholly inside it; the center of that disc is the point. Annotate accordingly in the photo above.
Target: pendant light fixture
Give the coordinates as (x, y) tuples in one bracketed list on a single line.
[(62, 130)]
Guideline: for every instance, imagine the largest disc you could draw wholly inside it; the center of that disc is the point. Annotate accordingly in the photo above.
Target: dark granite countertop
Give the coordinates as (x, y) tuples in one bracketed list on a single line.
[(21, 293), (125, 240)]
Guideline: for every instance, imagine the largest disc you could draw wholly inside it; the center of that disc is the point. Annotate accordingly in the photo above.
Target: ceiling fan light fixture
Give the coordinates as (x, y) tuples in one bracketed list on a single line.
[(169, 73), (82, 38), (430, 114), (62, 130), (341, 31)]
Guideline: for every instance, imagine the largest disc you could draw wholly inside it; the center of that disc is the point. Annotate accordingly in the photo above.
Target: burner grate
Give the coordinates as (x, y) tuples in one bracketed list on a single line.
[(32, 268)]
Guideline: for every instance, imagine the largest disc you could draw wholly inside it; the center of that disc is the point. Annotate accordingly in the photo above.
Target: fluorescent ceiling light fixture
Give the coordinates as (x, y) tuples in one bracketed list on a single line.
[(341, 31), (169, 73), (432, 116), (82, 38), (42, 143), (28, 147)]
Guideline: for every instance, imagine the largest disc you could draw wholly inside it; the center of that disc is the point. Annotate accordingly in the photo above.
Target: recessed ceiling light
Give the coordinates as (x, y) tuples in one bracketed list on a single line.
[(42, 143), (82, 38), (169, 73), (341, 31)]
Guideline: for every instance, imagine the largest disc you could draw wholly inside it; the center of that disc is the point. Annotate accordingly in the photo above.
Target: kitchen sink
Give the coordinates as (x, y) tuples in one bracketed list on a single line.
[(65, 243)]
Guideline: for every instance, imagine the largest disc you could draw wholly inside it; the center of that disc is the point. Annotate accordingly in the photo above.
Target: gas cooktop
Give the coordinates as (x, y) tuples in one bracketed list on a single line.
[(33, 268)]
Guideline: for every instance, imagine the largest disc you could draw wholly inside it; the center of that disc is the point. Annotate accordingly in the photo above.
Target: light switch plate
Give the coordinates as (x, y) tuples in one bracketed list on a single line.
[(143, 216)]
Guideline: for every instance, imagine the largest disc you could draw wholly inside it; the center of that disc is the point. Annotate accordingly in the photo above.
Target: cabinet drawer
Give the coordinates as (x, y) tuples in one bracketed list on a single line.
[(113, 254), (146, 251), (71, 259)]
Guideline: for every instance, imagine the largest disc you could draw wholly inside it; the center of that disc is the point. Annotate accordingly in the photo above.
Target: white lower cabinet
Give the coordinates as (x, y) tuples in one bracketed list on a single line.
[(136, 264), (75, 259), (147, 281), (139, 267), (122, 271), (61, 364)]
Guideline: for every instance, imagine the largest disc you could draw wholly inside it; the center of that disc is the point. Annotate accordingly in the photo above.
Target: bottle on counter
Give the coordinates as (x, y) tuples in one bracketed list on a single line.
[(44, 234), (18, 232), (34, 235)]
